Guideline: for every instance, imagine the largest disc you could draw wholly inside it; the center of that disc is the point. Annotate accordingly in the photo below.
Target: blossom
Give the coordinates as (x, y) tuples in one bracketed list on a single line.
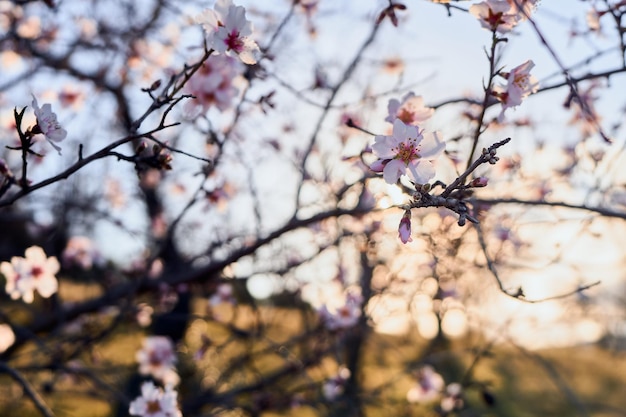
[(334, 387), (81, 252), (48, 125), (428, 387), (404, 230), (35, 272), (410, 110), (407, 149), (344, 316), (228, 30), (453, 398), (495, 15), (157, 358), (154, 402), (223, 295), (520, 84), (522, 8), (212, 85)]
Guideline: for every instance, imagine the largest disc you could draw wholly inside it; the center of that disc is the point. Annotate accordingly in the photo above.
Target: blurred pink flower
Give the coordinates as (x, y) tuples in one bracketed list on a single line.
[(407, 150), (410, 110), (212, 85), (157, 358), (334, 387), (428, 387), (223, 295), (344, 316), (153, 402), (81, 252), (35, 272)]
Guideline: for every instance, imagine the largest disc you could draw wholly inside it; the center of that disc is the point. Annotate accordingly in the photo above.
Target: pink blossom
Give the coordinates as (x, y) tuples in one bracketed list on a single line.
[(428, 387), (223, 295), (453, 397), (212, 85), (81, 252), (495, 15), (157, 358), (334, 387), (410, 110), (520, 84), (407, 150), (344, 316), (522, 8), (228, 31), (154, 402), (404, 230), (35, 272), (48, 125)]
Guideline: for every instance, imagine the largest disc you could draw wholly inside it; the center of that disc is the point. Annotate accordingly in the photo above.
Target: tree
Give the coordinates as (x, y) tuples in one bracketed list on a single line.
[(202, 218)]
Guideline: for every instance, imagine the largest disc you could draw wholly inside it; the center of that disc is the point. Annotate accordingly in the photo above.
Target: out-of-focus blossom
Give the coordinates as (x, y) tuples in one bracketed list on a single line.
[(228, 31), (335, 386), (7, 337), (452, 399), (48, 125), (144, 315), (495, 15), (593, 20), (428, 387), (407, 149), (520, 84), (71, 96), (154, 402), (212, 85), (157, 358), (410, 110), (521, 9), (223, 295), (35, 272), (344, 316), (404, 230), (81, 252)]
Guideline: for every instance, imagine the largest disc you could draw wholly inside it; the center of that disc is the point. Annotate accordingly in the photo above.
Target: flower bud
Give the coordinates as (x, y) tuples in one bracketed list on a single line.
[(479, 182), (404, 229)]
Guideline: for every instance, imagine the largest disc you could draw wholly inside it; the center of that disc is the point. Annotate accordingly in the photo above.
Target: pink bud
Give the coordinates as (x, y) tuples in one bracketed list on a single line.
[(480, 182), (404, 229)]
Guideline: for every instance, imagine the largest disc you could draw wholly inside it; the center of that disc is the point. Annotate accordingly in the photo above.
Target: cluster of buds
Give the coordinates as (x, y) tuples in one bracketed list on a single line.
[(490, 155)]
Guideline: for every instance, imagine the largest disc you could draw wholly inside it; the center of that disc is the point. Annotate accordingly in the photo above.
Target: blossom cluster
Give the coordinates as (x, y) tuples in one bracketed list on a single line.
[(34, 272)]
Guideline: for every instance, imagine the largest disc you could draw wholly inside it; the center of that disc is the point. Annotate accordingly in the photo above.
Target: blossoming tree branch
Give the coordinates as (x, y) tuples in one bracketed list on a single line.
[(305, 206)]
